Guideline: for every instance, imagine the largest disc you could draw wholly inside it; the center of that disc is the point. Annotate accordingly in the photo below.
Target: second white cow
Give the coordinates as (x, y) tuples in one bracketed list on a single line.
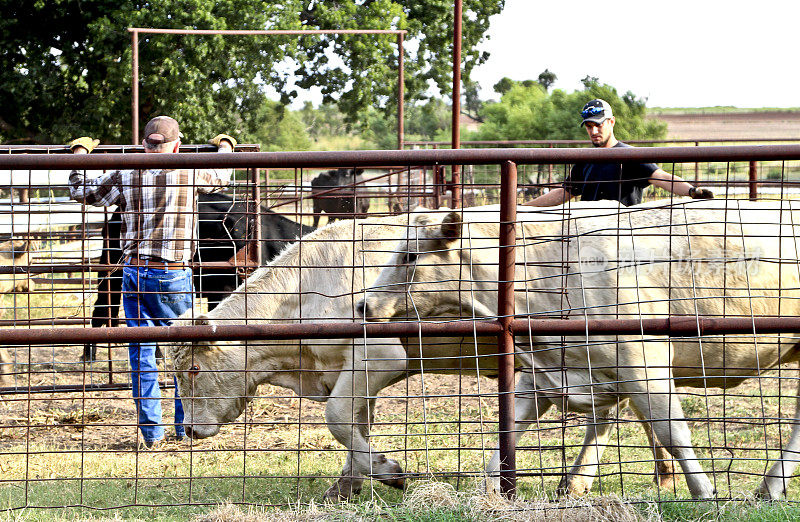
[(717, 258), (321, 279)]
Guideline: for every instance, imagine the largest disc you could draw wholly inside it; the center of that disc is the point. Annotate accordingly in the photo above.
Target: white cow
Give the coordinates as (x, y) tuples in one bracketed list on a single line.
[(316, 280), (712, 258)]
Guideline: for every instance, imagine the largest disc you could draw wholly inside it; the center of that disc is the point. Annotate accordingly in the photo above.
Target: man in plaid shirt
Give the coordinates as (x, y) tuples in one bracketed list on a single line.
[(159, 209)]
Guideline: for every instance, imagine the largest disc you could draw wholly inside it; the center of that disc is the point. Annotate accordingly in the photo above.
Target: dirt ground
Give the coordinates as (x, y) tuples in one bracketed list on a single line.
[(106, 419), (735, 125)]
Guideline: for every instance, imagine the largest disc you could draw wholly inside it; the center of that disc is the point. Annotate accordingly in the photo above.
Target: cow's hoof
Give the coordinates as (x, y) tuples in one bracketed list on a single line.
[(342, 490), (570, 486), (764, 492), (491, 485), (664, 475), (392, 474), (666, 481)]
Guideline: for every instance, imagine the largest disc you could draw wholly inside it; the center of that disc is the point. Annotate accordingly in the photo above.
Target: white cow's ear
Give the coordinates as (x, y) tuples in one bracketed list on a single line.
[(451, 227)]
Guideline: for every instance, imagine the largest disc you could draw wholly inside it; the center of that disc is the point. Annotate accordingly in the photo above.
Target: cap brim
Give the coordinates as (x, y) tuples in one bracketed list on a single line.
[(594, 120)]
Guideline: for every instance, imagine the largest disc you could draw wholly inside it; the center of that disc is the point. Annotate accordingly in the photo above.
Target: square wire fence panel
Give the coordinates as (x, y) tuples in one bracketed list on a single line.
[(340, 409)]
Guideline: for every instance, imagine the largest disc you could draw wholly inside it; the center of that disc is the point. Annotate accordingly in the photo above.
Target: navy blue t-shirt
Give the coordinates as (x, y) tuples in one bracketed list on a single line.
[(623, 182)]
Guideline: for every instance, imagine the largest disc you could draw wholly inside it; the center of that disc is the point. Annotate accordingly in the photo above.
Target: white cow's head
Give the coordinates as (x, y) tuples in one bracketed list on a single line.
[(212, 381), (435, 272)]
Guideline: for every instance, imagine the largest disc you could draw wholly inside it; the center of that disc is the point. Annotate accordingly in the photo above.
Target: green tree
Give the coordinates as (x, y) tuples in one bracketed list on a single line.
[(472, 101), (325, 120), (280, 129), (428, 120), (547, 78), (67, 63), (504, 85), (530, 113)]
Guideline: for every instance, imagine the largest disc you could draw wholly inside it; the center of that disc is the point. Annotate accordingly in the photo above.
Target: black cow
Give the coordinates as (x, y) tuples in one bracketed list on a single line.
[(346, 201), (222, 231)]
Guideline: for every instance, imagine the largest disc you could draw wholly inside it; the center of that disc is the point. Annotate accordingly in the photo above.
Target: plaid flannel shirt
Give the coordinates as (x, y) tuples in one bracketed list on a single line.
[(159, 207)]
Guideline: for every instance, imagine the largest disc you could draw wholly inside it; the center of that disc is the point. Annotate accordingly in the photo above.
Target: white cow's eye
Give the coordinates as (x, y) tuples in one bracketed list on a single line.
[(194, 371)]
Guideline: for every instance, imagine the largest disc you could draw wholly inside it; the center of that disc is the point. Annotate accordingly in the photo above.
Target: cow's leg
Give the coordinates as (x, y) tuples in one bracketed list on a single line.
[(578, 481), (777, 478), (5, 368), (317, 210), (106, 309), (664, 474), (349, 413), (581, 476), (528, 407), (655, 396)]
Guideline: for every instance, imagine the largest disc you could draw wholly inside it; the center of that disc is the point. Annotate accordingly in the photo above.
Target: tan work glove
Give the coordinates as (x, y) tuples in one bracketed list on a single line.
[(220, 137), (84, 141), (700, 193)]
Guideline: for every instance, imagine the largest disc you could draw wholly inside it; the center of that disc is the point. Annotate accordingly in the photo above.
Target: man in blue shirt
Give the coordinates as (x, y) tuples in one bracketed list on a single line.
[(623, 182)]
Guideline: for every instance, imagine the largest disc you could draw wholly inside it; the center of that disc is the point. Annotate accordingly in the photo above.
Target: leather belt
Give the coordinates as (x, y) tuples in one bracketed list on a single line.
[(154, 262)]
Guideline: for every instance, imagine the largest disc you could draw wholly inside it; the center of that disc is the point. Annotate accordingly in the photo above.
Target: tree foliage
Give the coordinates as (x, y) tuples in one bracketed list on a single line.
[(67, 63), (528, 112), (546, 79), (280, 129)]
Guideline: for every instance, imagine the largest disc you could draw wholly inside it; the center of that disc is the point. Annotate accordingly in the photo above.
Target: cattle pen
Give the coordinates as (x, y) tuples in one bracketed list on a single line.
[(286, 383)]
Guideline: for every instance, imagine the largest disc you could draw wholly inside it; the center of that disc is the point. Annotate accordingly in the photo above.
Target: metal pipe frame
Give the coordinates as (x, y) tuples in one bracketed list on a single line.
[(696, 141), (269, 32), (382, 158), (455, 180), (505, 339), (674, 326)]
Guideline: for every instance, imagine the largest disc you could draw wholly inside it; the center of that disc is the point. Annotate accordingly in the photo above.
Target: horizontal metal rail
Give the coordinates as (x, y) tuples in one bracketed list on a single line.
[(117, 149), (252, 32), (377, 158), (676, 326), (586, 143)]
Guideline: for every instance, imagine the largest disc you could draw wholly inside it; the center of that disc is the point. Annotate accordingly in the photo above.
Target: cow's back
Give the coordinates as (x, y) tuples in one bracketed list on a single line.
[(713, 259)]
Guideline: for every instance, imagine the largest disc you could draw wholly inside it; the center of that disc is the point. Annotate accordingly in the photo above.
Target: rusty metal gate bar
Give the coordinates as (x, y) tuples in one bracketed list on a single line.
[(584, 143), (267, 32), (505, 340), (378, 158), (690, 326)]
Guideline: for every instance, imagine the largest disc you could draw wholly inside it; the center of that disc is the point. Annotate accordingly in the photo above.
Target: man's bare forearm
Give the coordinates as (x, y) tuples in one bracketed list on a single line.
[(555, 197)]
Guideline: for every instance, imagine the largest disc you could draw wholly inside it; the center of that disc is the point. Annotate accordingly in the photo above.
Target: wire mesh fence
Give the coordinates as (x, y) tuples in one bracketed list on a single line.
[(652, 347)]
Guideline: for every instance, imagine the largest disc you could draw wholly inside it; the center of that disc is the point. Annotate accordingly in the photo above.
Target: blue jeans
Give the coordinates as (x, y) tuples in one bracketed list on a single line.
[(151, 297)]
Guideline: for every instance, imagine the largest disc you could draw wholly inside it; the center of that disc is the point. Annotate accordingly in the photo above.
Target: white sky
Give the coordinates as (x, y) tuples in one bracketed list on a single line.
[(676, 53)]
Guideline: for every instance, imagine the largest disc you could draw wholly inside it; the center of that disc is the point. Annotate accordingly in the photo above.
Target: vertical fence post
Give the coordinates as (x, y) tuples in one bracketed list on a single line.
[(455, 184), (438, 185), (505, 341), (257, 207), (135, 87), (753, 176), (401, 79)]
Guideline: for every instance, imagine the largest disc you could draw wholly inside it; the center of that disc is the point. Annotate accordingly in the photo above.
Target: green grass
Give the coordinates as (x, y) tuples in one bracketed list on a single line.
[(219, 471)]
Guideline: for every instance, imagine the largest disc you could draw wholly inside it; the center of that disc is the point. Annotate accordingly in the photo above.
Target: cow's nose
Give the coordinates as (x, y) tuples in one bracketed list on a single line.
[(189, 431), (361, 308)]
